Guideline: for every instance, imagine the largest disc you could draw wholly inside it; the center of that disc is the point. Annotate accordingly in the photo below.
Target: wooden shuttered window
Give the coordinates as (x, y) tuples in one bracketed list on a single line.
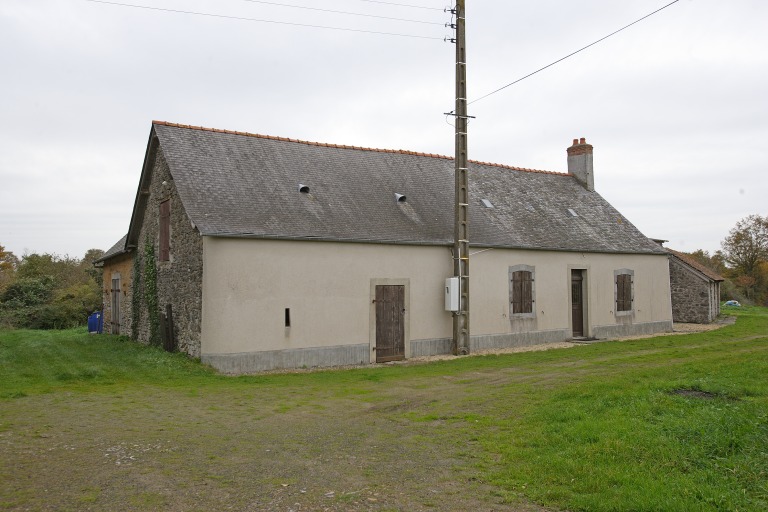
[(623, 292), (522, 292), (165, 230)]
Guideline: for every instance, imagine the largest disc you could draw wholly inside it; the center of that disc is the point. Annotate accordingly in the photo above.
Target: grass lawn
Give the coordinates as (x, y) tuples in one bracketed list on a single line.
[(672, 423)]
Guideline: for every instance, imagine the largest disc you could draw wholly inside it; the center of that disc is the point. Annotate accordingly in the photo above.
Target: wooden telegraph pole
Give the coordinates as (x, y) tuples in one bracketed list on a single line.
[(461, 208)]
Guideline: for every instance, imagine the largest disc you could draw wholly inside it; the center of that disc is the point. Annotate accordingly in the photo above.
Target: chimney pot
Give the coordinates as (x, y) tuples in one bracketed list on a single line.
[(575, 142), (582, 141)]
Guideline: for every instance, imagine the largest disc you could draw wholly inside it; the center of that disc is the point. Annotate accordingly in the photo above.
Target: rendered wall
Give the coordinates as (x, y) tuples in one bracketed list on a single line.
[(248, 284)]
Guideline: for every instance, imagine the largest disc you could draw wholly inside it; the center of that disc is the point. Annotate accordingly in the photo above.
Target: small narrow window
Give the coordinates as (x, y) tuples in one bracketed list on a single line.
[(522, 296), (287, 317), (522, 291), (624, 290), (165, 230)]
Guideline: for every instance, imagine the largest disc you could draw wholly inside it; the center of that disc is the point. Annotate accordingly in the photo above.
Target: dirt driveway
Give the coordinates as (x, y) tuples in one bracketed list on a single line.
[(165, 449)]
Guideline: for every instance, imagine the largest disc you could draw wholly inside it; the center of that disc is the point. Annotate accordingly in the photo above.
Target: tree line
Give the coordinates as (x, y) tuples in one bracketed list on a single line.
[(47, 291), (742, 261)]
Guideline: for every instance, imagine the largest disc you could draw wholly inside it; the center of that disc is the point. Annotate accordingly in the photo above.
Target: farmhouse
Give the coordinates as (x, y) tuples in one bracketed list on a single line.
[(263, 252)]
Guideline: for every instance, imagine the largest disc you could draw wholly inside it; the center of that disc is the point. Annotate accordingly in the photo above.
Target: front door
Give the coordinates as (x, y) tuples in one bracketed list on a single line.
[(577, 303), (390, 323), (115, 317)]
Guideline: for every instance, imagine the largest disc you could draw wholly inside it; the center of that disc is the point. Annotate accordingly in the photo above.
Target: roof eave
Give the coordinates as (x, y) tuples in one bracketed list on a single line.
[(428, 243)]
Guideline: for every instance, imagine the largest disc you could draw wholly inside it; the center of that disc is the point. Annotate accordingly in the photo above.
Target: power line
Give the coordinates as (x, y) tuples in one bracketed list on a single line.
[(401, 5), (574, 53), (241, 18), (341, 12)]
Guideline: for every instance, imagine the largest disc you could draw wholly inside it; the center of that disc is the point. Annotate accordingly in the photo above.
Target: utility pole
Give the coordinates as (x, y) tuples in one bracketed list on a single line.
[(461, 208)]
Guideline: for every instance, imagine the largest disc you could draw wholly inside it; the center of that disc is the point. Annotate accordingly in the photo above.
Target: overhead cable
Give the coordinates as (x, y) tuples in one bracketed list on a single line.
[(242, 18), (401, 5), (572, 54), (341, 12)]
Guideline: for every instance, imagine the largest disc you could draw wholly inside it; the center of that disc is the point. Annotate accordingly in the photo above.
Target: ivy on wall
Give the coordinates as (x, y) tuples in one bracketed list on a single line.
[(136, 296), (150, 293)]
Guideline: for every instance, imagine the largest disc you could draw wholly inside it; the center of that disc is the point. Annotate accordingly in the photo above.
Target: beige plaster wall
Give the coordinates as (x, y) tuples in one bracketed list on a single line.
[(489, 288), (247, 284)]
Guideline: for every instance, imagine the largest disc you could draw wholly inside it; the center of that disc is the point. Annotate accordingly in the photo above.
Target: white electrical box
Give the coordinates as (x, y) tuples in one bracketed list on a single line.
[(452, 294)]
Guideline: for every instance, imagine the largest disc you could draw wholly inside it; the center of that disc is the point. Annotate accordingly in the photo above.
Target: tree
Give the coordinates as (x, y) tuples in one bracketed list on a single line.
[(714, 261), (747, 244), (8, 264), (746, 252), (86, 264)]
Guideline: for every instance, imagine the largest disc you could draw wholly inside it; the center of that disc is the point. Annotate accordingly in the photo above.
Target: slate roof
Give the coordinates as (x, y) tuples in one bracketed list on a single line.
[(115, 250), (688, 260), (247, 185)]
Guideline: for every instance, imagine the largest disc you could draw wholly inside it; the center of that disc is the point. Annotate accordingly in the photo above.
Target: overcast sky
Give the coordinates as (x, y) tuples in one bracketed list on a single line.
[(675, 106)]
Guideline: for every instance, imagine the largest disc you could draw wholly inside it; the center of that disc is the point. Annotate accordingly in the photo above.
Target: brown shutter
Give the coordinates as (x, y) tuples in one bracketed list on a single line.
[(517, 292), (522, 292), (623, 292), (527, 295), (165, 230)]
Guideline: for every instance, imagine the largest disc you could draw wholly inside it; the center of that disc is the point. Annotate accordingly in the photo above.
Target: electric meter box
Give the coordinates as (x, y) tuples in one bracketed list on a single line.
[(452, 294)]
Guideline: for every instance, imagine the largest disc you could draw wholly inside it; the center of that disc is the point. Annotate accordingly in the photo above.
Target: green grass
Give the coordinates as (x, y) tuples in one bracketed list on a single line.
[(672, 423)]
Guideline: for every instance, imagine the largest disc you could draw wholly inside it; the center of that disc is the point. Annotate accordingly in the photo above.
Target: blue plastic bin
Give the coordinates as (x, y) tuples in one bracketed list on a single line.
[(95, 323)]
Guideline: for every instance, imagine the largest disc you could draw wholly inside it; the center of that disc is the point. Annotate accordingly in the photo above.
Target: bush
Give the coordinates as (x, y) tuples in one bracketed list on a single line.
[(729, 291), (36, 303), (27, 292)]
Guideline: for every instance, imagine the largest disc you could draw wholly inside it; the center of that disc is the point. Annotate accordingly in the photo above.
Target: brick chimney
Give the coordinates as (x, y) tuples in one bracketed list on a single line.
[(580, 163)]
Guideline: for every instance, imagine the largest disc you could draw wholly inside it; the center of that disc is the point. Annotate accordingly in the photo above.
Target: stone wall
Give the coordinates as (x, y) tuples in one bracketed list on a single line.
[(695, 298), (120, 266), (179, 280)]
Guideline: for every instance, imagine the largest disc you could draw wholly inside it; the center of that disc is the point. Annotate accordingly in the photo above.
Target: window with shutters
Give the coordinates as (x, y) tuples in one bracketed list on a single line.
[(165, 230), (624, 290), (522, 291)]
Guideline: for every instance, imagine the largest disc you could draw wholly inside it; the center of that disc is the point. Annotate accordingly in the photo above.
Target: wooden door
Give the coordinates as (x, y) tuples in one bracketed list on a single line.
[(390, 323), (115, 317), (577, 303)]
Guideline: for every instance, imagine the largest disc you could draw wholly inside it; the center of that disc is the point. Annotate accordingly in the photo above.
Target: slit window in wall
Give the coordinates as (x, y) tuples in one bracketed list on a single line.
[(165, 230), (287, 317)]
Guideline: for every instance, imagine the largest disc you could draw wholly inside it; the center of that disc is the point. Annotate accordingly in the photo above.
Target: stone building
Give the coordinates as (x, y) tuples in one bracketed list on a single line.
[(695, 290), (263, 252), (117, 266)]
